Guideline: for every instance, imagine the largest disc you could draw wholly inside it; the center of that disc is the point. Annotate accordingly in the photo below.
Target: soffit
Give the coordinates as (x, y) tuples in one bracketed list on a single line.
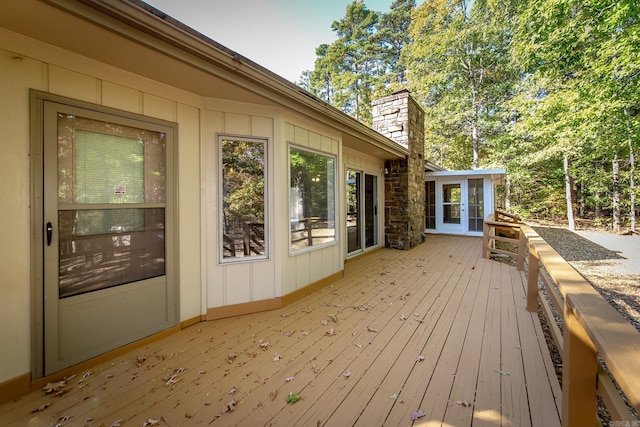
[(128, 35)]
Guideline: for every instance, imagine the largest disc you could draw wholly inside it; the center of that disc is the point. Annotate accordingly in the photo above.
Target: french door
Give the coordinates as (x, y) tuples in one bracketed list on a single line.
[(362, 211), (452, 206), (108, 269)]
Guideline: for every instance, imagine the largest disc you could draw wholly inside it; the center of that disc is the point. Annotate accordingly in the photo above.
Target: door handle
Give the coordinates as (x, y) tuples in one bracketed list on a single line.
[(49, 233)]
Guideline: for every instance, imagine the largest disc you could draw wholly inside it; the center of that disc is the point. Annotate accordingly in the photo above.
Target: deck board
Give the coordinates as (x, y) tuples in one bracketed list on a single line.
[(467, 316)]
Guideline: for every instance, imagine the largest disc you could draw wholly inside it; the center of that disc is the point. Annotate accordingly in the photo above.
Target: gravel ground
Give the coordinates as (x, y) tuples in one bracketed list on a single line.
[(610, 262)]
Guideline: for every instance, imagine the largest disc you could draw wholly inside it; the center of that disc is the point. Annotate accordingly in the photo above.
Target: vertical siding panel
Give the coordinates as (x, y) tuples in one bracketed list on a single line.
[(264, 283), (237, 283), (189, 210), (237, 124), (121, 97), (18, 76), (71, 84), (214, 123), (161, 108), (327, 145), (315, 141), (301, 136)]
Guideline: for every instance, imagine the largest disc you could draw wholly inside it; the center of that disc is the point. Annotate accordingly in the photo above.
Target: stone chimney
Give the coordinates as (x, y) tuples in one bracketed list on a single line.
[(400, 118)]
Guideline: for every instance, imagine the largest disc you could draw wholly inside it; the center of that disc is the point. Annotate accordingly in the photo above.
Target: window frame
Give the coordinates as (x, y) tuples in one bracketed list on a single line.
[(220, 189), (335, 201)]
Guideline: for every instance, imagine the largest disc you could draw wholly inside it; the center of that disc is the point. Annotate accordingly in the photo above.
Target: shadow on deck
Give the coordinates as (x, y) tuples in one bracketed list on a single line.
[(436, 334)]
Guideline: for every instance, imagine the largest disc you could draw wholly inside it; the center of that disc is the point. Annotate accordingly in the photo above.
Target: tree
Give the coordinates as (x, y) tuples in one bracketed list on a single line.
[(460, 71)]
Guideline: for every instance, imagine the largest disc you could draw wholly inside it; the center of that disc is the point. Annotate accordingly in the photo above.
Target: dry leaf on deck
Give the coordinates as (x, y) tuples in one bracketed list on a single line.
[(139, 361), (330, 332), (463, 403), (264, 345), (324, 322), (403, 317), (370, 329), (151, 422), (277, 356), (284, 315), (231, 406), (232, 390), (333, 317), (116, 423), (289, 379), (417, 414), (41, 407), (55, 386), (272, 395), (420, 358), (347, 374)]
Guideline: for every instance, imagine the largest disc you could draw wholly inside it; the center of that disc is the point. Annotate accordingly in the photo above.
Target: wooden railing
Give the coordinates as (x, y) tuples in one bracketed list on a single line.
[(597, 345), (503, 227)]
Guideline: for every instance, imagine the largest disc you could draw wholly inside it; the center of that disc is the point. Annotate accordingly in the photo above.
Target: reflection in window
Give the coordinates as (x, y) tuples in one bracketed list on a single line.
[(451, 198), (476, 204), (243, 198), (311, 198), (101, 167)]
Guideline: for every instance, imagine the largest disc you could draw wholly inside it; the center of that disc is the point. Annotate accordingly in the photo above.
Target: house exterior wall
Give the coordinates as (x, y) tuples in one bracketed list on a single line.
[(204, 283), (27, 64)]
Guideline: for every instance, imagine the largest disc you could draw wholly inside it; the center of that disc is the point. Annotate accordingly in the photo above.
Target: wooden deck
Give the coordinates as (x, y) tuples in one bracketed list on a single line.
[(436, 329)]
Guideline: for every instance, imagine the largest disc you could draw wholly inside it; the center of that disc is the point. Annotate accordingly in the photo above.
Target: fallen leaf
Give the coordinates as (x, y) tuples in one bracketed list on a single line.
[(277, 356), (503, 373), (231, 406), (289, 379), (55, 386), (403, 317), (232, 390), (272, 395), (314, 368), (41, 408), (231, 357), (416, 414), (463, 403), (370, 329), (264, 345), (86, 420), (292, 397), (108, 376), (347, 374), (305, 333), (324, 322), (284, 315), (420, 358), (288, 333), (116, 423), (333, 317), (139, 361), (394, 396), (151, 422), (330, 332)]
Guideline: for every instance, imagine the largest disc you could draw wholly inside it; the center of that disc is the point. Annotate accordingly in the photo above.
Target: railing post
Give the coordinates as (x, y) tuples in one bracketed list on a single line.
[(485, 241), (579, 372), (532, 279), (522, 245)]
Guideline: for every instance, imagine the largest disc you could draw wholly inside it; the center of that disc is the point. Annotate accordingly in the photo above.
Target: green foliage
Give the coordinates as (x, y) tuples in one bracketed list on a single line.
[(504, 83)]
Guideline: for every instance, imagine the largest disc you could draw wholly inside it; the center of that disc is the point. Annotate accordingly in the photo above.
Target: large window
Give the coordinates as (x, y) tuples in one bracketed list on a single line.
[(111, 204), (244, 210), (311, 198)]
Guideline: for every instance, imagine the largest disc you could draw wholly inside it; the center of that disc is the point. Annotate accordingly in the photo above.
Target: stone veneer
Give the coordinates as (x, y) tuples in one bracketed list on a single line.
[(400, 118)]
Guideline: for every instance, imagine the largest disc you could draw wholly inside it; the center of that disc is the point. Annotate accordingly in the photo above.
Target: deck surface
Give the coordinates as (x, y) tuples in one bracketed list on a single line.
[(434, 332)]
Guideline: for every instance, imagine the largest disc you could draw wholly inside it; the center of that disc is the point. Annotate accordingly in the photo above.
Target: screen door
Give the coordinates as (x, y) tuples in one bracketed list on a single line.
[(107, 233)]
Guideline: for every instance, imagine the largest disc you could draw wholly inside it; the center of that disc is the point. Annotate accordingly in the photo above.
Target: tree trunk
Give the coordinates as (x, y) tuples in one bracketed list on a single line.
[(568, 191), (616, 195), (475, 140), (632, 187)]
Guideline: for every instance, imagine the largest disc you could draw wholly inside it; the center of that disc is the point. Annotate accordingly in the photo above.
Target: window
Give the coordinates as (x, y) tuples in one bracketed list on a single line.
[(311, 199), (243, 201), (451, 200), (430, 192), (111, 204), (476, 204)]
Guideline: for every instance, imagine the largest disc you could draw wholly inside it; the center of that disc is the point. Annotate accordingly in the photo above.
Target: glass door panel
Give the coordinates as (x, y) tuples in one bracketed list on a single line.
[(451, 200), (353, 211), (370, 210), (476, 204)]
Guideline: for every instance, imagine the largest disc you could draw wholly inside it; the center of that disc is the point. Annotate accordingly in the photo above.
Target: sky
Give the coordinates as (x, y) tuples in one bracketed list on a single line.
[(280, 35)]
